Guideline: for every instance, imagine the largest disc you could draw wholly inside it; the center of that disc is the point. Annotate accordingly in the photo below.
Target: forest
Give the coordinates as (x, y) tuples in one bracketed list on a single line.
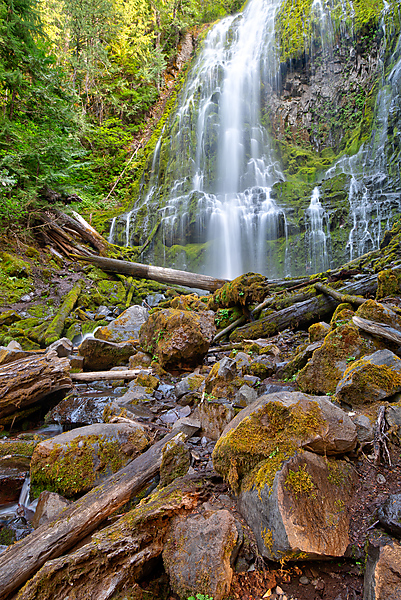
[(77, 80)]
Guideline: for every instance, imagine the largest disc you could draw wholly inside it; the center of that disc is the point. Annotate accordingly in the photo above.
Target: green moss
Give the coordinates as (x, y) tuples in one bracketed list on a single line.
[(300, 483), (252, 453), (17, 448)]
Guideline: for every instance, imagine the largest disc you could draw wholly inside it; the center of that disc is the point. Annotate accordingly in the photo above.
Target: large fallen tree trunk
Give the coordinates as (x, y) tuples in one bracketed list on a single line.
[(160, 274), (26, 381), (49, 541), (301, 313), (117, 555)]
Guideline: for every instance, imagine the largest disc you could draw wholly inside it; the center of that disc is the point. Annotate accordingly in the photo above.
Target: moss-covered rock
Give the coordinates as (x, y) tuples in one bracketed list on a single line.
[(176, 460), (372, 378), (246, 289), (318, 331), (328, 363), (73, 462), (374, 311), (125, 327), (388, 283), (272, 430)]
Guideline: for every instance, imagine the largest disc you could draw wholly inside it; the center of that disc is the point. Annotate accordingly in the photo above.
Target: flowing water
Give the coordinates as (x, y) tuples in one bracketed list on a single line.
[(210, 179)]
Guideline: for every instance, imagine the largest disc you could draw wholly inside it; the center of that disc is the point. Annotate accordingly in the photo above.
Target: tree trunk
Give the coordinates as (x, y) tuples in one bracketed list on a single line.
[(300, 313), (24, 382), (49, 541), (127, 374), (160, 274), (116, 556), (86, 231)]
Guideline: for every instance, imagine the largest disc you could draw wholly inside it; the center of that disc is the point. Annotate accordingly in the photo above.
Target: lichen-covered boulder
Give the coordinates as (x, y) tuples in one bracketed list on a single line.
[(302, 513), (100, 355), (199, 552), (373, 377), (125, 327), (374, 311), (273, 429), (383, 570), (328, 363), (75, 461), (178, 337)]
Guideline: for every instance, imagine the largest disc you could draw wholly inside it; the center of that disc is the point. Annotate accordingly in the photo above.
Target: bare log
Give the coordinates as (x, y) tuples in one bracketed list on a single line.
[(116, 555), (160, 274), (25, 382), (380, 449), (378, 329), (20, 561), (127, 374), (84, 229), (339, 295), (300, 313)]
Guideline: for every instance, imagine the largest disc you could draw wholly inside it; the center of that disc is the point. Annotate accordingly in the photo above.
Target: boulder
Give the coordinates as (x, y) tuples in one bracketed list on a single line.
[(189, 384), (140, 359), (318, 331), (48, 507), (199, 552), (383, 570), (214, 415), (300, 359), (176, 460), (389, 514), (364, 428), (63, 347), (178, 337), (302, 513), (75, 461), (262, 367), (125, 327), (328, 363), (222, 372), (78, 410), (274, 428), (374, 311), (373, 377), (245, 396), (101, 355)]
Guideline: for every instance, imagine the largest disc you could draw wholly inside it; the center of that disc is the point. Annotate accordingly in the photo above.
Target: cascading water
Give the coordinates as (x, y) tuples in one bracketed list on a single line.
[(212, 197), (221, 162), (318, 235)]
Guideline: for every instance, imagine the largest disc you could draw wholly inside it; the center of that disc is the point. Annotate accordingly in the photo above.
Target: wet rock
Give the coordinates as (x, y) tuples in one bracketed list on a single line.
[(78, 410), (382, 579), (301, 513), (328, 363), (101, 355), (176, 460), (62, 347), (389, 514), (75, 461), (199, 551), (373, 377), (48, 507), (214, 415), (125, 327), (177, 337), (12, 479)]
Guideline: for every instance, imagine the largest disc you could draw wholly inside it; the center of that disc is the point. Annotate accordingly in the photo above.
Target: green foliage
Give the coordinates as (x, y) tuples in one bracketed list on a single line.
[(200, 597)]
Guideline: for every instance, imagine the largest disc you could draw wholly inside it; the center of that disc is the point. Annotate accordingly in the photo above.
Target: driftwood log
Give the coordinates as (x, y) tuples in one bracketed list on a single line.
[(378, 329), (26, 381), (301, 313), (127, 374), (116, 555), (20, 561), (160, 274)]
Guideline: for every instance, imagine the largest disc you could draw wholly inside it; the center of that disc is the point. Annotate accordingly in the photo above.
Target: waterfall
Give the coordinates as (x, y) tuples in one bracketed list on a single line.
[(317, 222)]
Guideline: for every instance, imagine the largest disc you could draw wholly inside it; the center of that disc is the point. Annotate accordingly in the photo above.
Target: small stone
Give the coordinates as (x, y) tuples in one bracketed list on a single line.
[(279, 590), (380, 479), (304, 580)]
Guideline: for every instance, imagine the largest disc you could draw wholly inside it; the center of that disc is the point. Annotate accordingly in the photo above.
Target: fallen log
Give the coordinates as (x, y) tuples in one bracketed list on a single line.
[(117, 555), (26, 381), (160, 274), (84, 229), (127, 374), (55, 328), (21, 560), (301, 313), (337, 295), (378, 329)]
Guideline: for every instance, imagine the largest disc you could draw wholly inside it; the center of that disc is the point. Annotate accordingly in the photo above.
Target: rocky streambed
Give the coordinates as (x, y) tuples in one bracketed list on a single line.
[(265, 467)]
